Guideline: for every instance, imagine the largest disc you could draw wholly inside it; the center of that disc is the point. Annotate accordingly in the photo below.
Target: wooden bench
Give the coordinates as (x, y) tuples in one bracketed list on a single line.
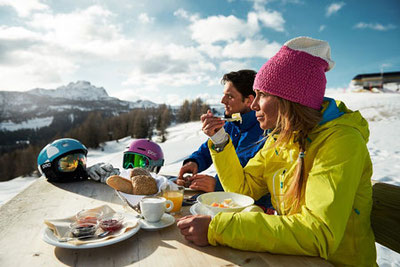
[(385, 215)]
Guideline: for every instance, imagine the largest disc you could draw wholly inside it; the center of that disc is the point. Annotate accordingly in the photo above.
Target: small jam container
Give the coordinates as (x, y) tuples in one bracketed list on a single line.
[(111, 222), (80, 229), (89, 216)]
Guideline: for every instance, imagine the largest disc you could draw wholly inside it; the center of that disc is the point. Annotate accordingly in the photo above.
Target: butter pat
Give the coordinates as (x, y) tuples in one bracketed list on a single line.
[(235, 117)]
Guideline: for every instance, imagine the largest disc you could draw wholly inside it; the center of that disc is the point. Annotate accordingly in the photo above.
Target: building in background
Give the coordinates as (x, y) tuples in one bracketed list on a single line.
[(376, 82)]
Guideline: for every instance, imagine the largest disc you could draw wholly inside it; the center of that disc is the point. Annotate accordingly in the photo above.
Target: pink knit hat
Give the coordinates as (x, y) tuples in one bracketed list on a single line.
[(297, 72)]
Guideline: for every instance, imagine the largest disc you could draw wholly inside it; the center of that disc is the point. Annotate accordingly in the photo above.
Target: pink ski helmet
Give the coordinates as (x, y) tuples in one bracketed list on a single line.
[(143, 153)]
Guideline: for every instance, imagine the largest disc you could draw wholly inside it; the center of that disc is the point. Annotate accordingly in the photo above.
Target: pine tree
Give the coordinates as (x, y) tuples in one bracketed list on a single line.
[(184, 112)]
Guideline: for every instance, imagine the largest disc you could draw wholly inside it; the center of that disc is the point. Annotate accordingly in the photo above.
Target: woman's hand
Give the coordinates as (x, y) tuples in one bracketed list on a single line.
[(195, 228), (211, 124)]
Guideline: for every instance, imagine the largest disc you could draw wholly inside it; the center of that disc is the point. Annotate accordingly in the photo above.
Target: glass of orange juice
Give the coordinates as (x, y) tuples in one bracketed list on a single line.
[(176, 196)]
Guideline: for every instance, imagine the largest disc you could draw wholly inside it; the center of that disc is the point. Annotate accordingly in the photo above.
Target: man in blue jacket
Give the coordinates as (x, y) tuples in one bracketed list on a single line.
[(246, 135)]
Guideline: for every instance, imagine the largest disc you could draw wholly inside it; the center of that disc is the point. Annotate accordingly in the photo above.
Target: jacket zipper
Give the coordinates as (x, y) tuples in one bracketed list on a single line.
[(277, 198)]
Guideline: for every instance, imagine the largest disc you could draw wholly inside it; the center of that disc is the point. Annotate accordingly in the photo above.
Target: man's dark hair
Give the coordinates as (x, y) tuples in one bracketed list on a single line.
[(242, 80)]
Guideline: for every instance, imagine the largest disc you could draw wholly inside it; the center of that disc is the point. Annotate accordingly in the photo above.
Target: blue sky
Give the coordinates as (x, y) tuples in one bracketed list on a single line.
[(168, 51)]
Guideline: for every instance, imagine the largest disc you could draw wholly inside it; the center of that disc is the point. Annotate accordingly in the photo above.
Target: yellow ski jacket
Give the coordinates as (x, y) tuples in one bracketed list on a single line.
[(334, 219)]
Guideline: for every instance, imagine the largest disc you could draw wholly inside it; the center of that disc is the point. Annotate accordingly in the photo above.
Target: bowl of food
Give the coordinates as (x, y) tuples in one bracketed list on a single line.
[(112, 222), (89, 216), (225, 201), (83, 229)]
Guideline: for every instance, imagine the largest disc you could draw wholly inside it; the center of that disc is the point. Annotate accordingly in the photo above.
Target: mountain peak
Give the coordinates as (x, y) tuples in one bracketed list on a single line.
[(79, 90)]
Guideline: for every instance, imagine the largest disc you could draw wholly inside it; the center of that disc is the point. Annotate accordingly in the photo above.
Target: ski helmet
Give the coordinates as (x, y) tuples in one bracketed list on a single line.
[(143, 153), (63, 160)]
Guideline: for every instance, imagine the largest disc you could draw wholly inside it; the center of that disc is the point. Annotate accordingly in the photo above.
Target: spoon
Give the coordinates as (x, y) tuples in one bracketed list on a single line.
[(66, 239)]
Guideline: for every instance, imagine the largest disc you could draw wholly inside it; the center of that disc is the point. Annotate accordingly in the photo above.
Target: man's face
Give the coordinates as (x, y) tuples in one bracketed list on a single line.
[(234, 101)]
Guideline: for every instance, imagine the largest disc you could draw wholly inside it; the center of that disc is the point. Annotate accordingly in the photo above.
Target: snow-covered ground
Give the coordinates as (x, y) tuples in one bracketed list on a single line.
[(29, 124), (381, 110)]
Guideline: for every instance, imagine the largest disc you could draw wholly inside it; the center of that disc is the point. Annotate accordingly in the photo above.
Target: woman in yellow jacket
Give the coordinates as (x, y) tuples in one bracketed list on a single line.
[(315, 164)]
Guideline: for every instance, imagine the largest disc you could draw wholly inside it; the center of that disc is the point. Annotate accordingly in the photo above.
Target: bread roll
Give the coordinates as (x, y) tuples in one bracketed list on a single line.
[(144, 185), (120, 183), (139, 171)]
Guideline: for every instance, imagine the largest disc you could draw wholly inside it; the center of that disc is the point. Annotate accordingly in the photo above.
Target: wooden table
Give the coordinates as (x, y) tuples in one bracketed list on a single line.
[(21, 244)]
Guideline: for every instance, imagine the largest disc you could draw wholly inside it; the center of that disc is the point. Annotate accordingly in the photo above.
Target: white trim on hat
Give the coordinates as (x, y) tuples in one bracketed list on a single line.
[(315, 47)]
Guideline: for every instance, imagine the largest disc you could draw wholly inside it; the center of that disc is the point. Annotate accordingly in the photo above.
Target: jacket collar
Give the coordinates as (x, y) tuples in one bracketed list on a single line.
[(330, 110)]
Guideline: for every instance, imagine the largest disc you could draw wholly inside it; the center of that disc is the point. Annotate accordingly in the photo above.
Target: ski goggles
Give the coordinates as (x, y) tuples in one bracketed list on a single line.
[(70, 162), (134, 160)]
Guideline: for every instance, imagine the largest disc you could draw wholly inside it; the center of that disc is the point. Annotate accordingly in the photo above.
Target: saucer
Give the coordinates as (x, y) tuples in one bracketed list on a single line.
[(198, 209), (166, 220)]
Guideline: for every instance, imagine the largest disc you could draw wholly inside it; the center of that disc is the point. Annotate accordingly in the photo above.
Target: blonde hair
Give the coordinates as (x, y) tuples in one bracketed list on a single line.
[(295, 121)]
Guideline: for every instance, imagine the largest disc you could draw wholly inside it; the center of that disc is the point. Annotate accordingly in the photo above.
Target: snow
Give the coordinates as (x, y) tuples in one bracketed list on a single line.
[(10, 189), (35, 123), (381, 110)]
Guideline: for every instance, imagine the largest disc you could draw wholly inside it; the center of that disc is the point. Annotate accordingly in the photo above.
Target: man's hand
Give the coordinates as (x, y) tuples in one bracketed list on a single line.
[(195, 228), (211, 124), (203, 182), (189, 167), (101, 171)]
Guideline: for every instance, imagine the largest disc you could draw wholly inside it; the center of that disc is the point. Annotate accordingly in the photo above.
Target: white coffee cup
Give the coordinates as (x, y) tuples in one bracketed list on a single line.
[(153, 208)]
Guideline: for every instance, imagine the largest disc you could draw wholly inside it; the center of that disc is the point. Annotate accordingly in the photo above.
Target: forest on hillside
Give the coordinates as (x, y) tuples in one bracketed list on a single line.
[(95, 128)]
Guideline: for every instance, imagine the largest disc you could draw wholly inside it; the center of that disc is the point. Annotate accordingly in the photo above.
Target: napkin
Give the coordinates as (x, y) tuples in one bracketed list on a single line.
[(60, 227)]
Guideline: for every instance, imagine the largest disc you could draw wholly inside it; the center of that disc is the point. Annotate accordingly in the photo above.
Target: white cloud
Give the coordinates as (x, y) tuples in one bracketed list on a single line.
[(145, 19), (233, 65), (88, 31), (14, 39), (158, 65), (24, 7), (211, 99), (269, 18), (218, 28), (241, 49), (259, 4), (272, 19), (26, 61), (184, 14), (334, 8), (251, 48), (158, 58), (159, 80), (230, 28), (51, 47), (321, 28), (374, 26), (27, 75), (213, 51), (16, 33)]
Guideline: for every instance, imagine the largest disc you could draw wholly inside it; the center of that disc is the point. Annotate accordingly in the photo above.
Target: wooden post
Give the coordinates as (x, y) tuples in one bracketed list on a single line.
[(385, 215)]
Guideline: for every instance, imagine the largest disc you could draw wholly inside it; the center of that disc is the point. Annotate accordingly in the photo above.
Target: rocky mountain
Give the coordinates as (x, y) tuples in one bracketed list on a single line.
[(22, 110)]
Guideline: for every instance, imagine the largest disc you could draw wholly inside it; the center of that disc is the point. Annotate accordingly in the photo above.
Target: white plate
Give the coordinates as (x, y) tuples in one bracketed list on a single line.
[(198, 209), (48, 237), (166, 220)]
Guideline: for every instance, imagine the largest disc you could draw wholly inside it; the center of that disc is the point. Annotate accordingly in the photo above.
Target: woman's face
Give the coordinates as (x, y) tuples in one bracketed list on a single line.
[(266, 108)]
